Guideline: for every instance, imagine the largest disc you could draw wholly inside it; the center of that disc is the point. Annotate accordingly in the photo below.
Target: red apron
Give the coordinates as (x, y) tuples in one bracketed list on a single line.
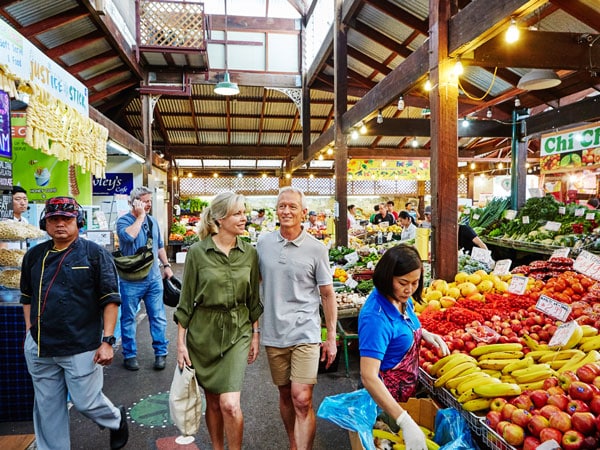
[(401, 380)]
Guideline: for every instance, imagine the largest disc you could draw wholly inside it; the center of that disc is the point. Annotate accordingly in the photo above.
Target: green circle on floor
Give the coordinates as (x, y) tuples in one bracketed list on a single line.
[(152, 411)]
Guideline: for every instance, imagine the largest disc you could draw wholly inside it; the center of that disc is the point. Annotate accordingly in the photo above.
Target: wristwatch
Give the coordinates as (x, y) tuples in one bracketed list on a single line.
[(111, 340)]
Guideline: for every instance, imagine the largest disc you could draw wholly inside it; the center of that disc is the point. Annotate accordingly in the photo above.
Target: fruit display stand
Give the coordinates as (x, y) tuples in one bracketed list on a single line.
[(491, 439)]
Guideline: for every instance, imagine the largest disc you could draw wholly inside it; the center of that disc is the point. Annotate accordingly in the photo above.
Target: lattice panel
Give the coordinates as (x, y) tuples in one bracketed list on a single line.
[(212, 186), (463, 187), (171, 24), (315, 186)]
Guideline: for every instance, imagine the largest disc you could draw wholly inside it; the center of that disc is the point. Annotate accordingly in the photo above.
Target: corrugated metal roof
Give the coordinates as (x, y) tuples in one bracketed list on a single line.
[(28, 12), (68, 32)]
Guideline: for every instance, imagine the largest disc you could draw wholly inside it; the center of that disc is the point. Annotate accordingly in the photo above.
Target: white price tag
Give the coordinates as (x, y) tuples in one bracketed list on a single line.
[(525, 219), (370, 265), (476, 216), (553, 308), (562, 210), (390, 235), (549, 445), (561, 252), (352, 258), (552, 226), (579, 212), (536, 192), (590, 216), (588, 264), (518, 284), (479, 254), (467, 211), (510, 214), (351, 282), (562, 334), (502, 267)]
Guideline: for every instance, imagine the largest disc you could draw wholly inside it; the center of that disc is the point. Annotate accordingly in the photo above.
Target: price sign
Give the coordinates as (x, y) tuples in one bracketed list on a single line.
[(518, 284), (562, 210), (579, 212), (352, 258), (536, 192), (479, 254), (476, 216), (390, 235), (370, 265), (588, 264), (561, 252), (549, 445), (590, 216), (351, 282), (525, 219), (553, 308), (502, 267), (510, 214), (552, 226), (562, 334)]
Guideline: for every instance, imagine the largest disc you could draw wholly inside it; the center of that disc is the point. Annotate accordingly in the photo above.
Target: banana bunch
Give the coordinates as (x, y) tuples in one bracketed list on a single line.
[(398, 440), (452, 366)]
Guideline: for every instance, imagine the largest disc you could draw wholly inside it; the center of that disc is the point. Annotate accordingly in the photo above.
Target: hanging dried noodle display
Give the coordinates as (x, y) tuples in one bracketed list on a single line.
[(8, 81), (59, 130)]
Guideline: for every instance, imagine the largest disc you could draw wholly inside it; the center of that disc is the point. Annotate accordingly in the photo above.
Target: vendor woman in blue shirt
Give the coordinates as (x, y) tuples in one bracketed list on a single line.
[(389, 336)]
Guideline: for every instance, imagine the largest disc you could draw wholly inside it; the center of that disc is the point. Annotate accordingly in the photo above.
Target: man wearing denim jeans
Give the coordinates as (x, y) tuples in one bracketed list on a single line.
[(133, 229)]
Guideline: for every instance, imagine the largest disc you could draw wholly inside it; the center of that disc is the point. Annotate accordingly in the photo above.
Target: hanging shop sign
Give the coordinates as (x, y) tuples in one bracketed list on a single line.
[(5, 140), (113, 183), (377, 169), (42, 175), (571, 150), (28, 63)]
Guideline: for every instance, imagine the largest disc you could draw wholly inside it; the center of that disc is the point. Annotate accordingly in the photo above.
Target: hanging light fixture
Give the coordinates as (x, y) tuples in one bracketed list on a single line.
[(488, 113), (428, 85), (401, 103), (379, 117), (537, 79), (414, 143), (517, 102), (226, 87), (512, 33), (458, 67)]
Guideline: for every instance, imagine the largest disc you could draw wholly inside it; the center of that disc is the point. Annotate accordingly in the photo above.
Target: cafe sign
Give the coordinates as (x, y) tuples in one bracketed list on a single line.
[(571, 150)]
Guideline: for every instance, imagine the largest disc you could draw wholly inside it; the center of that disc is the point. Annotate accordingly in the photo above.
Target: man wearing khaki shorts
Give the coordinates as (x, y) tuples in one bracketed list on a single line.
[(296, 280)]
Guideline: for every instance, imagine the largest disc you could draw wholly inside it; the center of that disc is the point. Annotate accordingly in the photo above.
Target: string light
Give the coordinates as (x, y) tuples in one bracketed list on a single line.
[(401, 103), (379, 117), (414, 143), (458, 67), (329, 151), (215, 175), (427, 86), (190, 175), (488, 113), (320, 157), (465, 122), (472, 166), (512, 33), (354, 135), (362, 128), (517, 102)]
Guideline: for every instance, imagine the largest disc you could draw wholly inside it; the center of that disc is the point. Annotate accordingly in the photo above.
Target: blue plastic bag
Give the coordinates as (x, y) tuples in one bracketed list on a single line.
[(354, 411), (452, 431)]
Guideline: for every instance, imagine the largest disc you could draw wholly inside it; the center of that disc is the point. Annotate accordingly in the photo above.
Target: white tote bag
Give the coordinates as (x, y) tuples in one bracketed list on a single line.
[(185, 401)]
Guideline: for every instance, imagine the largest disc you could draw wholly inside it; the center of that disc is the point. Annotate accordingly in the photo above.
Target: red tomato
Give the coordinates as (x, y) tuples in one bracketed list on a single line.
[(577, 288)]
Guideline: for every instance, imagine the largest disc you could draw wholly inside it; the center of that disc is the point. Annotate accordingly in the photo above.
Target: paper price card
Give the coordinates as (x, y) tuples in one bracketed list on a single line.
[(562, 334), (518, 284), (351, 282), (476, 216), (588, 264), (561, 252), (525, 219), (549, 445), (510, 214), (352, 258), (553, 308), (590, 216), (562, 210), (579, 212), (552, 226), (390, 236), (502, 267), (479, 254)]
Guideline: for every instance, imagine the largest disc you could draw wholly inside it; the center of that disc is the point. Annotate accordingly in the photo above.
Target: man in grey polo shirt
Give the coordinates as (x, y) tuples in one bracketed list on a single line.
[(296, 280)]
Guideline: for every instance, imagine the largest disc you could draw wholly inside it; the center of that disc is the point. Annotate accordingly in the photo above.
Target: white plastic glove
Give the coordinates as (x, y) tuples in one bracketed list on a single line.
[(414, 438), (436, 340)]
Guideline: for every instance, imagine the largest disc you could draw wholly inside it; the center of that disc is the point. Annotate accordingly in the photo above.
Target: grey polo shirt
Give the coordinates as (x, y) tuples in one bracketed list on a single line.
[(291, 272)]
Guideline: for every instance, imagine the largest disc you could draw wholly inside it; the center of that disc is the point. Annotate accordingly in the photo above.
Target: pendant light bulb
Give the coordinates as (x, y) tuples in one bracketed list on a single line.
[(414, 143), (354, 134), (427, 85), (465, 122), (488, 113), (379, 117), (512, 33), (458, 68), (517, 102), (401, 103)]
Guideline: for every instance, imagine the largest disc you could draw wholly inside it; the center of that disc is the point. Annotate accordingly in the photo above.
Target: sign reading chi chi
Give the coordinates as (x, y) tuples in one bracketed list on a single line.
[(113, 183), (571, 149)]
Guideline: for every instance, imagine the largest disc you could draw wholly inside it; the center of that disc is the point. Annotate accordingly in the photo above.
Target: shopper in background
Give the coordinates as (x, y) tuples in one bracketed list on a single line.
[(389, 336), (312, 221), (70, 300), (20, 206), (133, 230), (260, 217), (218, 313), (352, 222), (467, 239), (409, 207), (372, 217), (390, 208), (409, 230), (384, 216), (296, 281), (426, 223)]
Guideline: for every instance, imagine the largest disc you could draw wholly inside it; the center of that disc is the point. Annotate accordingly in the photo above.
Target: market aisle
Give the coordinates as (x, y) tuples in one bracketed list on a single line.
[(144, 394)]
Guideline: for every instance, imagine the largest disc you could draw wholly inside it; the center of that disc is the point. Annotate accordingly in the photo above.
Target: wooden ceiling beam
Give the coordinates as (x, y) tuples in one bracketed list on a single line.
[(102, 58), (91, 82), (117, 133), (112, 90), (76, 44), (254, 24)]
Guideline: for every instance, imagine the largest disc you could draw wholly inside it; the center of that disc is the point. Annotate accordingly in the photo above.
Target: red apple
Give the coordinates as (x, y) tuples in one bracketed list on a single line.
[(498, 403), (566, 378), (584, 422), (577, 406), (578, 390), (548, 410), (539, 397), (555, 390), (531, 443), (596, 381), (501, 425), (523, 401), (513, 434), (561, 421), (595, 404), (521, 417), (548, 434), (550, 382), (588, 372), (572, 440), (507, 411), (493, 418), (470, 345), (590, 443), (537, 424), (559, 400)]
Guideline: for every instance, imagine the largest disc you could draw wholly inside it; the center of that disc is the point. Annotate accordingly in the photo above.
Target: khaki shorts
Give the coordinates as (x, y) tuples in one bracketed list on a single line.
[(299, 364)]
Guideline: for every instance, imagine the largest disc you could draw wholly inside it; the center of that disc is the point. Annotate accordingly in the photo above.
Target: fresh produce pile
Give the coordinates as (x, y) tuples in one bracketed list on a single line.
[(192, 205)]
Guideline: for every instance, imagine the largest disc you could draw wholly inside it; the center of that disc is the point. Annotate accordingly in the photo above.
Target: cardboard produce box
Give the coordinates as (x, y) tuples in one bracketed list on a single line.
[(422, 410)]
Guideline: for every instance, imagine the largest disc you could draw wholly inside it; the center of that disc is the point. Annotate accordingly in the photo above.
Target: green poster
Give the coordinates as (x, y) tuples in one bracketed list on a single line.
[(42, 175)]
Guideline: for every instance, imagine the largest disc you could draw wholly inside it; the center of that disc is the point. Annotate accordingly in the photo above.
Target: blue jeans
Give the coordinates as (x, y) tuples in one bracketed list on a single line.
[(151, 291)]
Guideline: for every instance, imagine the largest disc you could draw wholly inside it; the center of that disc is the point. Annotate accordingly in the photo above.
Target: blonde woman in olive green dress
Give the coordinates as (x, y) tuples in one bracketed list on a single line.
[(218, 313)]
